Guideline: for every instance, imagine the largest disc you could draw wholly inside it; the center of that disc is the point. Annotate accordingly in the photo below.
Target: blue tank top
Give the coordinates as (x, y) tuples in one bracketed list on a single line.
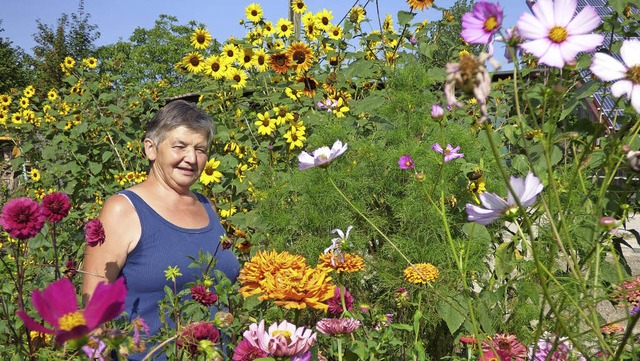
[(163, 244)]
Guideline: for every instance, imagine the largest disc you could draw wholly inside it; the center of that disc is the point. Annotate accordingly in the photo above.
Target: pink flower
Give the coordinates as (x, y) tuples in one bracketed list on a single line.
[(321, 157), (507, 346), (94, 349), (22, 218), (626, 75), (337, 326), (203, 296), (554, 35), (405, 162), (479, 26), (55, 206), (436, 111), (193, 333), (280, 340), (498, 355), (94, 232), (335, 303), (139, 324), (245, 351), (450, 153), (58, 306)]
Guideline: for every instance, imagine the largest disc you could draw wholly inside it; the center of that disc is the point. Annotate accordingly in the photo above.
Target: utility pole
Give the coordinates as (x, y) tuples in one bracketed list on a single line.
[(296, 19)]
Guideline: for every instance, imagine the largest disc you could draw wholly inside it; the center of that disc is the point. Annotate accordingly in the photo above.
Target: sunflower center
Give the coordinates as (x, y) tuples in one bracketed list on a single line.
[(209, 170), (490, 23), (215, 67), (254, 13), (558, 34), (247, 58), (200, 38), (261, 60), (299, 57), (284, 28), (325, 20), (336, 32), (281, 61), (230, 53), (71, 320), (194, 61), (237, 78), (633, 74)]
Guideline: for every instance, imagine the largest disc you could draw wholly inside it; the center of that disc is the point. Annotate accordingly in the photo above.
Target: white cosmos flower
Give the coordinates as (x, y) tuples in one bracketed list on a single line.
[(336, 245), (321, 157), (626, 75)]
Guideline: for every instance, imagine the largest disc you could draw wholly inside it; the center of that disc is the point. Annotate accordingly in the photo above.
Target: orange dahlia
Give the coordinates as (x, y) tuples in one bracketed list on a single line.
[(421, 273), (342, 262), (263, 263)]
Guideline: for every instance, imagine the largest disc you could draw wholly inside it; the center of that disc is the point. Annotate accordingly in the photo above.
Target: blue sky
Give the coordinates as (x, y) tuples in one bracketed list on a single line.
[(116, 19)]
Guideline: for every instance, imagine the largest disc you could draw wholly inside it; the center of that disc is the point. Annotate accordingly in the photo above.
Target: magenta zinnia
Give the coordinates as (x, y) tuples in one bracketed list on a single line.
[(335, 303), (22, 218), (479, 26), (507, 346), (94, 233), (203, 296), (55, 206), (58, 306), (193, 333)]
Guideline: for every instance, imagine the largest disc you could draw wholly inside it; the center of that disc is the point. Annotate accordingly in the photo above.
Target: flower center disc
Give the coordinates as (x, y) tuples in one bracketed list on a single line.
[(558, 34), (633, 74), (490, 23), (71, 320)]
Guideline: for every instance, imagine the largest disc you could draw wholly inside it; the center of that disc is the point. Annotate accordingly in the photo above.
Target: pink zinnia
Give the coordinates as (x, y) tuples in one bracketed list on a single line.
[(58, 306), (193, 333), (337, 326), (203, 296), (94, 232), (55, 206), (335, 302), (281, 340), (405, 162), (22, 218), (507, 346), (554, 35), (479, 26), (245, 351)]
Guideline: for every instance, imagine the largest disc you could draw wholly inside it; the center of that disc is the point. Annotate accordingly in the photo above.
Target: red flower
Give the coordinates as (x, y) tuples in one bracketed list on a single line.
[(94, 232), (193, 333), (22, 218), (245, 351), (335, 303), (56, 206), (203, 296), (58, 306)]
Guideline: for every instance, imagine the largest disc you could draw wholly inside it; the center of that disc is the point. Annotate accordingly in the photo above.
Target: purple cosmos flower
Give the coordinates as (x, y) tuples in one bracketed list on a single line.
[(479, 26), (449, 152), (327, 105), (626, 75), (554, 35), (405, 162), (437, 112), (526, 190), (321, 157), (94, 349)]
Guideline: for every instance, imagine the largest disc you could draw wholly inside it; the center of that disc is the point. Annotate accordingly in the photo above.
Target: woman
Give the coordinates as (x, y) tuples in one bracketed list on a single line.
[(160, 222)]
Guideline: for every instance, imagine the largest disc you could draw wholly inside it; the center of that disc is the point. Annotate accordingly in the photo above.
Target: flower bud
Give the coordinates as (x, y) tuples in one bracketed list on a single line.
[(420, 176), (633, 159), (223, 319), (625, 148), (607, 223), (437, 112)]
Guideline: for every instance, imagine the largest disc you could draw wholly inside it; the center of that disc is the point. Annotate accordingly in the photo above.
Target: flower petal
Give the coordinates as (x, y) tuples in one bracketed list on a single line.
[(622, 87), (584, 22), (580, 43), (607, 68), (493, 201), (553, 57), (306, 161), (55, 301), (630, 52), (529, 27), (543, 11), (106, 303), (635, 98), (32, 325), (481, 215)]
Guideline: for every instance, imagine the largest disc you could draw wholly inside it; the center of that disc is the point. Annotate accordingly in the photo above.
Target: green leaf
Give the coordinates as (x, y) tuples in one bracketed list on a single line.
[(476, 232), (450, 314), (251, 302), (106, 155), (359, 348), (581, 92), (95, 167), (505, 254), (404, 17), (416, 321)]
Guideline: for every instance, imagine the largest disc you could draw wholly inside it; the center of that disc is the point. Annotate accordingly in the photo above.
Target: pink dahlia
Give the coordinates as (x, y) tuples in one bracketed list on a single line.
[(193, 333), (58, 306), (94, 232), (281, 340), (507, 346), (56, 206), (335, 302), (479, 26), (245, 351), (554, 35), (22, 218), (626, 75), (337, 326), (203, 296)]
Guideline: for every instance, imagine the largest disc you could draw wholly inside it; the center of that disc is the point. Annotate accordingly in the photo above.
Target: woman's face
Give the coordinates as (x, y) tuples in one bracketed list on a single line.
[(180, 158)]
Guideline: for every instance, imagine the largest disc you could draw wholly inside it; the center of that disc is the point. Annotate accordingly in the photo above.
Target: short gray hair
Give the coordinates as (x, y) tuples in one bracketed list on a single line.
[(179, 113)]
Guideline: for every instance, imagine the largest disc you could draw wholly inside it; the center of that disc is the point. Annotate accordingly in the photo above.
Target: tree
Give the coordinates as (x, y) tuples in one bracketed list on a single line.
[(14, 68)]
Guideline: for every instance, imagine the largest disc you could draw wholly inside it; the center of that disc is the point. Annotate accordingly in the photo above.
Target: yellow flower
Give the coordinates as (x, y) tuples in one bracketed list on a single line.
[(69, 62), (225, 213), (239, 171), (295, 138), (309, 26), (284, 28), (477, 187), (210, 173), (298, 6), (194, 62), (238, 78), (246, 58), (29, 91), (280, 63), (300, 56), (421, 273), (171, 273), (35, 174), (291, 93), (324, 19), (254, 13), (357, 14), (267, 28), (52, 94), (5, 99), (3, 118), (282, 114), (200, 39), (420, 4), (344, 262), (24, 102), (261, 60), (16, 118), (265, 124), (335, 32), (230, 53), (262, 263), (340, 109), (387, 25), (90, 63), (215, 67), (299, 288)]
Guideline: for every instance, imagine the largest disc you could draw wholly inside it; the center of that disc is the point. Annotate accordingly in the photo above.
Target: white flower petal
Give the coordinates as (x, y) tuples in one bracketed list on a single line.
[(563, 11), (493, 201), (481, 215), (622, 87), (537, 48), (584, 22), (306, 161), (339, 232), (529, 27), (532, 187), (635, 98), (543, 10), (553, 57), (607, 68), (630, 52)]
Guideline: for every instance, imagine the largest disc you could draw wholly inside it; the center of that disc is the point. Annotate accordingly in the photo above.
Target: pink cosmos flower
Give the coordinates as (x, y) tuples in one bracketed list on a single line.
[(193, 333), (479, 26), (626, 75), (321, 157), (58, 306), (450, 153), (22, 218), (280, 340), (335, 302), (94, 349), (554, 35), (337, 326), (526, 190), (203, 296), (405, 162), (245, 351), (94, 232), (55, 206), (327, 105)]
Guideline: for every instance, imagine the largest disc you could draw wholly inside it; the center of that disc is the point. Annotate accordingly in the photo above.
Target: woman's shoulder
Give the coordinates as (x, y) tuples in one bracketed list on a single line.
[(117, 205)]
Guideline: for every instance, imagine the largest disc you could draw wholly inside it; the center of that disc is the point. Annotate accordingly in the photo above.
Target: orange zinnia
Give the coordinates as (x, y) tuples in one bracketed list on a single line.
[(263, 263), (343, 262), (299, 288), (421, 273)]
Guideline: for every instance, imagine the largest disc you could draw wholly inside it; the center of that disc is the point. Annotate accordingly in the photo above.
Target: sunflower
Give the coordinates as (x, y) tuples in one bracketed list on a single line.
[(239, 171), (261, 60), (265, 124), (29, 91), (253, 272), (35, 174), (90, 63), (292, 93), (324, 19), (238, 78), (5, 99), (420, 4), (24, 102), (298, 6), (210, 173), (194, 62), (335, 32), (16, 118), (279, 62), (421, 273), (224, 213), (230, 53), (310, 85), (357, 14), (284, 28), (295, 138), (246, 58), (200, 39), (215, 67), (3, 118), (254, 13), (282, 114), (52, 95), (267, 28), (69, 62), (344, 262), (300, 56), (311, 31), (340, 108), (387, 25)]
